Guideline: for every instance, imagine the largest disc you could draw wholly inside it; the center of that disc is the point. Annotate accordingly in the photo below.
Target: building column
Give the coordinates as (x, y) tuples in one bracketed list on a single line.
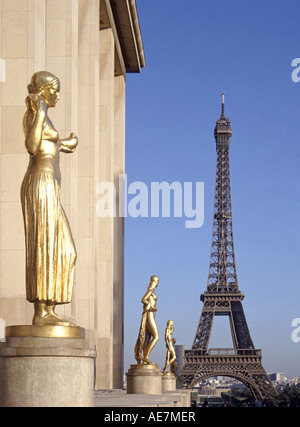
[(88, 132), (104, 172), (61, 59), (118, 280)]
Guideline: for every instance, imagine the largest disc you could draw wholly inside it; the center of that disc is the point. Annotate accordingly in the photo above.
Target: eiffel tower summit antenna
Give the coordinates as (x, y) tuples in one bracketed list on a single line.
[(223, 104), (223, 297)]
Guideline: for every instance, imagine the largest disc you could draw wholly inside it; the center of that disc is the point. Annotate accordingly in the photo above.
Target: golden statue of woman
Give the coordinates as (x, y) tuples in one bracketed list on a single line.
[(171, 354), (50, 249), (148, 334)]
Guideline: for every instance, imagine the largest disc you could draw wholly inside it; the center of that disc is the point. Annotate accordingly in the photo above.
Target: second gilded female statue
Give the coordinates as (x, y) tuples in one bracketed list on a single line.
[(148, 333), (50, 249)]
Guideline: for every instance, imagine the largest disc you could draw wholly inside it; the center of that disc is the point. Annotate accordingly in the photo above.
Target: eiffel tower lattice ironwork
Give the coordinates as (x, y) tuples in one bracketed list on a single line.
[(223, 296)]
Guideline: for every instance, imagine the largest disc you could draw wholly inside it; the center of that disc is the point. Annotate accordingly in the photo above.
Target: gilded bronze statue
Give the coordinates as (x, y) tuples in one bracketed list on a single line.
[(50, 249), (148, 333), (171, 355)]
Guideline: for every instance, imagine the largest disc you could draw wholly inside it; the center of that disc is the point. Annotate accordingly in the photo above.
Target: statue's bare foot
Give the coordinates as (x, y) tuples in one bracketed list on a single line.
[(146, 361), (45, 316), (50, 320), (58, 319)]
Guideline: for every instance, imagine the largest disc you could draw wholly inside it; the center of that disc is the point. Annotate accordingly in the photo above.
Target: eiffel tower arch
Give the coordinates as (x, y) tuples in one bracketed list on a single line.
[(223, 297)]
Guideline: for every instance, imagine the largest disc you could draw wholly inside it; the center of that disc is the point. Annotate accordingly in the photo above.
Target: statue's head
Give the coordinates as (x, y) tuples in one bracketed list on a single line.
[(170, 325), (47, 85), (153, 282)]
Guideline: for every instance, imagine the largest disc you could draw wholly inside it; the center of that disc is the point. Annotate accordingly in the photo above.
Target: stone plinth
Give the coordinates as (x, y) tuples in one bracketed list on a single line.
[(45, 331), (119, 399), (168, 382), (144, 379), (46, 372)]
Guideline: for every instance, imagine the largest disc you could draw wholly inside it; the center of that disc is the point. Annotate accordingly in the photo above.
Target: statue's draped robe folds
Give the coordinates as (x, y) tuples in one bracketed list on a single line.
[(138, 349), (50, 249)]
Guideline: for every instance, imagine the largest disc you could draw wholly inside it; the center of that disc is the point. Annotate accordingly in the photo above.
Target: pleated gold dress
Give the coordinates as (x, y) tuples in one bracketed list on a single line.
[(50, 249)]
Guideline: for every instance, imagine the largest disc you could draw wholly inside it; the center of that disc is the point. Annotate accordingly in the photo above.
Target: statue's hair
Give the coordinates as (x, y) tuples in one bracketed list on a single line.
[(41, 80)]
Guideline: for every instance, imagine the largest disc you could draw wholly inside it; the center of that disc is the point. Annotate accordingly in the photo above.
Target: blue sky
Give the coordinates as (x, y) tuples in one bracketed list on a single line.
[(196, 50)]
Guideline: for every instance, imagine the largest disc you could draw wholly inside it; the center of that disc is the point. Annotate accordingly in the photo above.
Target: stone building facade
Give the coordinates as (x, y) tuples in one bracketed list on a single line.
[(90, 45)]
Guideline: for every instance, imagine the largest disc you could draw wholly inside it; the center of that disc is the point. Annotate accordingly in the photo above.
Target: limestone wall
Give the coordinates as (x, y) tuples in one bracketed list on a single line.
[(63, 37)]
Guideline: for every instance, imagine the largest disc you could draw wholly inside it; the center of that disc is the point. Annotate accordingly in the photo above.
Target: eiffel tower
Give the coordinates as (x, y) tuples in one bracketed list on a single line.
[(223, 297)]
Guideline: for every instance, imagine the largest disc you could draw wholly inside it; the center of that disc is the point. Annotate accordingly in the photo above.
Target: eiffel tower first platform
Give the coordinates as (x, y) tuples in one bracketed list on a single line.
[(223, 298)]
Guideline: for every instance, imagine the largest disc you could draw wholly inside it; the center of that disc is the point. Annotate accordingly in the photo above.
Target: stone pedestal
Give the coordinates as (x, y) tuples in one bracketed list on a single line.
[(144, 379), (168, 382), (37, 371)]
